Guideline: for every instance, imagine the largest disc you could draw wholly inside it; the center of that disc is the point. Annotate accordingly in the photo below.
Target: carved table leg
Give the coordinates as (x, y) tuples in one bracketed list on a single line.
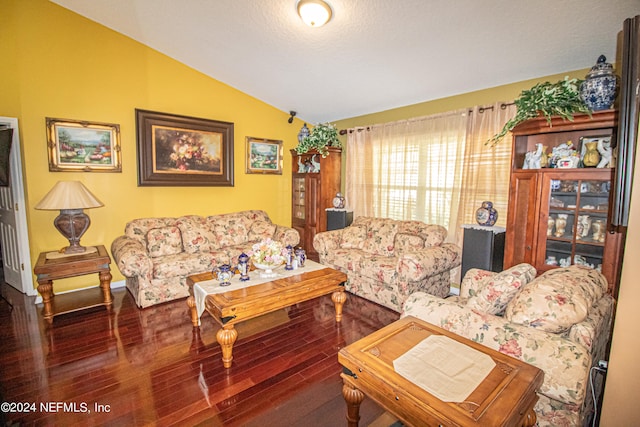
[(338, 298), (354, 398), (105, 284), (226, 338), (529, 419), (46, 290), (191, 302)]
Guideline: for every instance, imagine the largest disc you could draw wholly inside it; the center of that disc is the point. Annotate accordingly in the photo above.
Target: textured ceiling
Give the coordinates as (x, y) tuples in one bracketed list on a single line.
[(374, 54)]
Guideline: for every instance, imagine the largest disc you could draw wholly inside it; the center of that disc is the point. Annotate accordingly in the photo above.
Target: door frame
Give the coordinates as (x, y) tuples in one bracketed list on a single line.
[(17, 191)]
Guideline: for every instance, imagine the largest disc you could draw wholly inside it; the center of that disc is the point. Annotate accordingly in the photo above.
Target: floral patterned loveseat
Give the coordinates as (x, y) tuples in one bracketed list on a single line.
[(386, 260), (157, 254), (559, 322)]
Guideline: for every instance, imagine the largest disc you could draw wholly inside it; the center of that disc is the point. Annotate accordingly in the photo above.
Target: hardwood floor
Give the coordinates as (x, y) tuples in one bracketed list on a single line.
[(150, 367)]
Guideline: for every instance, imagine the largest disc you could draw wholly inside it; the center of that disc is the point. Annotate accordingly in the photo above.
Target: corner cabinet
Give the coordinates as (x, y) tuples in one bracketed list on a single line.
[(316, 180), (560, 216)]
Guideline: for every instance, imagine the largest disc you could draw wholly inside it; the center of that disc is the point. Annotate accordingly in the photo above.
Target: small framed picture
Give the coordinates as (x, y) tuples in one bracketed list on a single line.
[(264, 156), (81, 146)]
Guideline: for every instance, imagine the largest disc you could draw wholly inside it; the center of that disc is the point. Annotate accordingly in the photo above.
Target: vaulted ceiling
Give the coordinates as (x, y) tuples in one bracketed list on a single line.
[(373, 55)]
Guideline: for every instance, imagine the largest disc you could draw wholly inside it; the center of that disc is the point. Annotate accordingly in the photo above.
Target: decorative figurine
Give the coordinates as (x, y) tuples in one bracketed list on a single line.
[(243, 267), (315, 166), (289, 258), (551, 222), (300, 256), (604, 148)]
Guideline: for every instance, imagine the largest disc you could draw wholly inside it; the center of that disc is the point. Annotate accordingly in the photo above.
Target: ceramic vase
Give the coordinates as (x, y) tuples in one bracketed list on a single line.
[(598, 91), (561, 224), (598, 227), (551, 222), (591, 156)]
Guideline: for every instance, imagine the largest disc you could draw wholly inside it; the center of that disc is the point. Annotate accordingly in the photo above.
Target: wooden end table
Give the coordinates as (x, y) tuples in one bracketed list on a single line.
[(48, 270), (505, 397)]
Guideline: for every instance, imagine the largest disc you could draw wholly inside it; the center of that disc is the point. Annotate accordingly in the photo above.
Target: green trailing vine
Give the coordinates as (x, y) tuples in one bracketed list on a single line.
[(549, 99), (322, 136)]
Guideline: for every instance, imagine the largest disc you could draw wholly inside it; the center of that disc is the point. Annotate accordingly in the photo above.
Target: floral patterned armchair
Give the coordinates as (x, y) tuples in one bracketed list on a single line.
[(559, 322), (386, 260), (157, 254)]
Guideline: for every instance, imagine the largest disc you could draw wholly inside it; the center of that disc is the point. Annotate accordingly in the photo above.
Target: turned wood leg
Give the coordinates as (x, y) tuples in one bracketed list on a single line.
[(195, 320), (354, 398), (46, 290), (226, 337), (338, 298), (530, 419), (105, 284)]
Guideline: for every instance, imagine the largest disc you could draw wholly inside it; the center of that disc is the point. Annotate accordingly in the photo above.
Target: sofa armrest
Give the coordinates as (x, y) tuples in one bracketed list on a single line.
[(131, 257), (565, 364), (420, 264), (325, 241), (594, 331), (286, 235)]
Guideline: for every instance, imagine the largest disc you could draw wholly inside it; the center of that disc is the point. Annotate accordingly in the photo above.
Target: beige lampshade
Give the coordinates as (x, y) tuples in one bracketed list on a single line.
[(69, 195)]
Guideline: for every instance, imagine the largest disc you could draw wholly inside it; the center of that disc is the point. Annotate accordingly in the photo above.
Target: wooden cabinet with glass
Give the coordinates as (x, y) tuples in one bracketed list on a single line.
[(559, 216), (315, 182)]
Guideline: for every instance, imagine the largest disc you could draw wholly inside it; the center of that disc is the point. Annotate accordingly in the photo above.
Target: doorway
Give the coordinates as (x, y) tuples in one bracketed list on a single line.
[(14, 236)]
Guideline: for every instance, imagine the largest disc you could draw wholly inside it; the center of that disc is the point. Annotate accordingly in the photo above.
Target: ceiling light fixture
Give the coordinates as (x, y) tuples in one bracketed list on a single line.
[(314, 13)]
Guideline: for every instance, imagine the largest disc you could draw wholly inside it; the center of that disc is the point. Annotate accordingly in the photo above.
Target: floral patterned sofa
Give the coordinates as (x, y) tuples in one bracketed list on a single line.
[(386, 260), (157, 254), (559, 322)]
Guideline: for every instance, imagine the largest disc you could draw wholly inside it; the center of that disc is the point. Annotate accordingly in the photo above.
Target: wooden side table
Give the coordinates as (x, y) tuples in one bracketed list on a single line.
[(48, 270)]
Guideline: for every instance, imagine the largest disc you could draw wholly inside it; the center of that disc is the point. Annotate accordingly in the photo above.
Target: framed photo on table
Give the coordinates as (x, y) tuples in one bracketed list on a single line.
[(82, 146), (264, 156), (178, 150)]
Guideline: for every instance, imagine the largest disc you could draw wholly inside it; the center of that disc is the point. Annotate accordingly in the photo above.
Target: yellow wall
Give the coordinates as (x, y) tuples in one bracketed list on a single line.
[(59, 64)]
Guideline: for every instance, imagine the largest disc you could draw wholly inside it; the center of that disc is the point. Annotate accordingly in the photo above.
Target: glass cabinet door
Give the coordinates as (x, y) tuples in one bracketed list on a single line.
[(299, 198), (577, 222)]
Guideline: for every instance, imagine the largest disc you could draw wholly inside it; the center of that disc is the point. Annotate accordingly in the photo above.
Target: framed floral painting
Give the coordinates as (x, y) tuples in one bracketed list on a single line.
[(82, 146), (178, 150), (264, 156)]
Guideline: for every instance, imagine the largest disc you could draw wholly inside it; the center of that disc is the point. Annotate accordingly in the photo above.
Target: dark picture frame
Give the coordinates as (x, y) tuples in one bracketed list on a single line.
[(264, 156), (176, 150), (83, 146)]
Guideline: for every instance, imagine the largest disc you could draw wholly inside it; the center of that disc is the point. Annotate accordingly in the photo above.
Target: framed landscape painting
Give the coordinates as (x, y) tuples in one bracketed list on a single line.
[(178, 150), (264, 156), (82, 146)]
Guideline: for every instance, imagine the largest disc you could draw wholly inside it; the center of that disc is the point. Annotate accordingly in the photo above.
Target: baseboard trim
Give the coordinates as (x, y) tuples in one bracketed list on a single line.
[(114, 285)]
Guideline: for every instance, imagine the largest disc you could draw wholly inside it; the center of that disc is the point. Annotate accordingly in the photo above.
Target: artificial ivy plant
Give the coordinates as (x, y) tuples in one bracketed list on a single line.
[(321, 136), (549, 99)]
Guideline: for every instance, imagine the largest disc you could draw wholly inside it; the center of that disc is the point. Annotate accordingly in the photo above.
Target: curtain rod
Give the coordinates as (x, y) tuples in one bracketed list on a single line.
[(503, 106)]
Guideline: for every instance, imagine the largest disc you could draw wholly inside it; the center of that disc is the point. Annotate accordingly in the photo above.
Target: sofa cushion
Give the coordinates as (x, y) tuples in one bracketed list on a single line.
[(497, 290), (380, 237), (184, 264), (558, 299), (353, 237), (164, 241), (229, 229), (408, 242), (196, 236), (261, 230)]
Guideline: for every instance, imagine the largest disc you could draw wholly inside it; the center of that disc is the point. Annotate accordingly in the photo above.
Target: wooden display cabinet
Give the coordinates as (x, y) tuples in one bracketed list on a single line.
[(312, 193), (560, 216)]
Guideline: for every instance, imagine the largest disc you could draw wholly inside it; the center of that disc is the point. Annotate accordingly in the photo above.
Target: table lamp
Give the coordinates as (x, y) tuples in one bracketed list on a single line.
[(70, 197)]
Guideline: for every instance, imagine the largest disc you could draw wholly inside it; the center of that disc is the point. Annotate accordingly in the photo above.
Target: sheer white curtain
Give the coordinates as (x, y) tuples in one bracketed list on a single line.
[(409, 169), (485, 169)]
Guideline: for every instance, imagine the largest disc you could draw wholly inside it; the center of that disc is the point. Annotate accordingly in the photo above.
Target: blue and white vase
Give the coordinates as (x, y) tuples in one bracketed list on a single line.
[(598, 91)]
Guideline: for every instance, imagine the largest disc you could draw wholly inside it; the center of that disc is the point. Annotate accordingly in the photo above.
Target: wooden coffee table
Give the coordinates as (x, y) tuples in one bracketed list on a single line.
[(235, 306), (505, 397)]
